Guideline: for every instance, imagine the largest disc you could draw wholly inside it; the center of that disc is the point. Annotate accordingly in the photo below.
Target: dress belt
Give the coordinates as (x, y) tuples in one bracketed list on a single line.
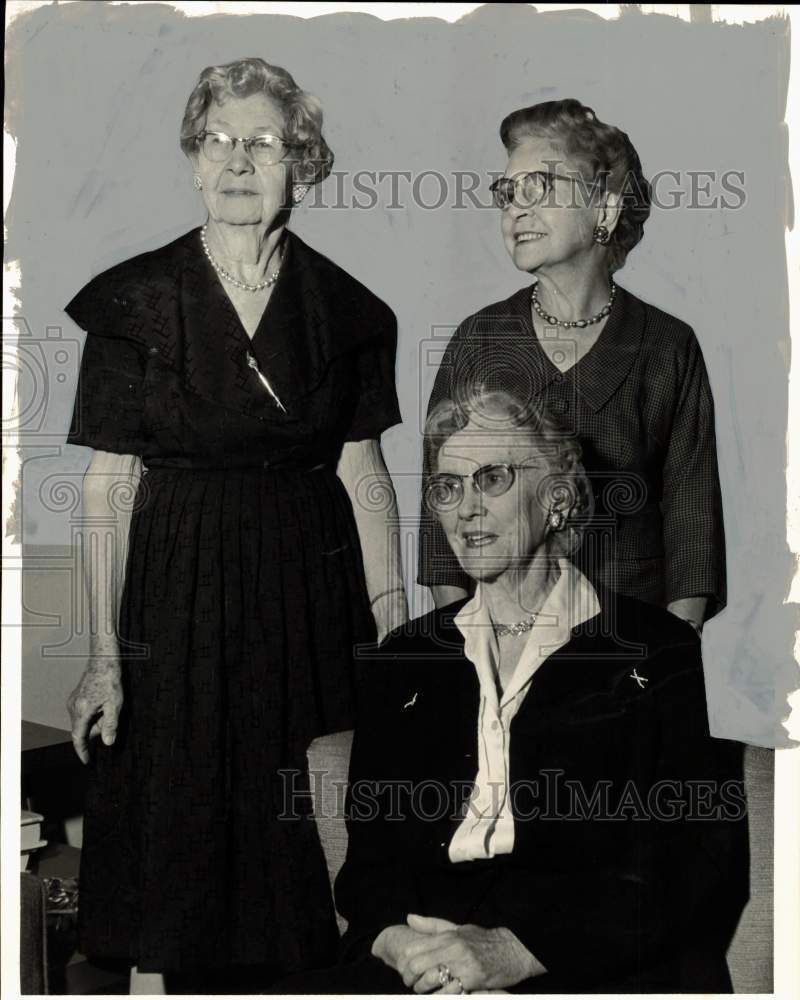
[(266, 465)]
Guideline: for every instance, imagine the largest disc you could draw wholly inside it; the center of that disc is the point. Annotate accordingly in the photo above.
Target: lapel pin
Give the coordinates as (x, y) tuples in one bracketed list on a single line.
[(641, 681), (412, 703)]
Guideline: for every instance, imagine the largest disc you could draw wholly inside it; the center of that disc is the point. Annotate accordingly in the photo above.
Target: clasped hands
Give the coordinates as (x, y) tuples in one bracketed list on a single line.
[(479, 959)]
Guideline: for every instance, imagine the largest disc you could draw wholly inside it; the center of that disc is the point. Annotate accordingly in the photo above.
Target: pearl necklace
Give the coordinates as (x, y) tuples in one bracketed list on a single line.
[(572, 323), (229, 277), (518, 628)]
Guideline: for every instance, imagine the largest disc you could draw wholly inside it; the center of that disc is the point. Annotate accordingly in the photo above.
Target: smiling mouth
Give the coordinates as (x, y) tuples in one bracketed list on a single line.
[(479, 540), (528, 237)]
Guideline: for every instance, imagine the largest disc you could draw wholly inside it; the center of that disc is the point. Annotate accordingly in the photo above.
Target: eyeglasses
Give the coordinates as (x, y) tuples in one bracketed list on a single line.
[(525, 190), (264, 150), (445, 490)]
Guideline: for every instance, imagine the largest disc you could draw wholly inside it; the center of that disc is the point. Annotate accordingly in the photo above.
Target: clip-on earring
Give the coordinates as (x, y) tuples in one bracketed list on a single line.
[(299, 191), (555, 520), (601, 235), (198, 182)]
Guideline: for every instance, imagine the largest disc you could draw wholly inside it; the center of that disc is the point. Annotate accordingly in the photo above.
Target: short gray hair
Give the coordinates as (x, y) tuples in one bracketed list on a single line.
[(245, 77), (494, 411)]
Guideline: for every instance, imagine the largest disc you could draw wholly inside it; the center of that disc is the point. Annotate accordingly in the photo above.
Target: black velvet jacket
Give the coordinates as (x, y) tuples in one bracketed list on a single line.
[(630, 865)]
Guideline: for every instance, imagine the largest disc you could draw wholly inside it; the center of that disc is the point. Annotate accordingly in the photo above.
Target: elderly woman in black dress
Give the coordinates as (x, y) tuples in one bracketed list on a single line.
[(239, 382), (627, 377)]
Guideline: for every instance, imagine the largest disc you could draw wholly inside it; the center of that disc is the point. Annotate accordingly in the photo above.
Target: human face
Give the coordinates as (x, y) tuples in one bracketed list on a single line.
[(237, 191), (493, 536), (558, 231)]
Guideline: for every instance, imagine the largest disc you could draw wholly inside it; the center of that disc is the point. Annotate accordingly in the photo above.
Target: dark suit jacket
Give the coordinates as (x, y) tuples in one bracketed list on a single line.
[(630, 863)]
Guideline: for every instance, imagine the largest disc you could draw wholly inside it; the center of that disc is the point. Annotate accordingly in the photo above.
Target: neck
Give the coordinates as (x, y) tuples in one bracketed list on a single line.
[(248, 252), (574, 292), (521, 593)]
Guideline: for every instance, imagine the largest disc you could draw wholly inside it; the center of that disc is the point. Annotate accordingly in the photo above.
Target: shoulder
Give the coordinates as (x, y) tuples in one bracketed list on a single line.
[(662, 331), (331, 278), (659, 645), (118, 290), (641, 620), (424, 650), (501, 316)]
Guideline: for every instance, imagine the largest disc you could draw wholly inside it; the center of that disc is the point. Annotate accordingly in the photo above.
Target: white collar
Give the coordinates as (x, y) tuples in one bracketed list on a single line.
[(571, 602)]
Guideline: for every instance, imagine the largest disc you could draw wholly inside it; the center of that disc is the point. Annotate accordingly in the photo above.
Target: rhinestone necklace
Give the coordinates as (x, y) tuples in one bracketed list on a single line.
[(572, 323), (229, 277), (518, 628)]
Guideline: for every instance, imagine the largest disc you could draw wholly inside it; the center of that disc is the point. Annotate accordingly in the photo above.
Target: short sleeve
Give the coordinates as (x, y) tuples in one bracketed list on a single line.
[(377, 408), (107, 413)]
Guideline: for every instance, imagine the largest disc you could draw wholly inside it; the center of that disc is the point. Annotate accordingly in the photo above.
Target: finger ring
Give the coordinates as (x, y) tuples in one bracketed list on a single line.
[(445, 976)]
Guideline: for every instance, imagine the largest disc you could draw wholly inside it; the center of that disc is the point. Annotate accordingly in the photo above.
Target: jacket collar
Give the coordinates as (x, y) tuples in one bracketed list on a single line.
[(307, 323), (599, 374)]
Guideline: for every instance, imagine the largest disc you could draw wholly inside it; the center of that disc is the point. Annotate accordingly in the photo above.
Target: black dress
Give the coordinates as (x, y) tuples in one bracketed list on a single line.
[(641, 405), (244, 597)]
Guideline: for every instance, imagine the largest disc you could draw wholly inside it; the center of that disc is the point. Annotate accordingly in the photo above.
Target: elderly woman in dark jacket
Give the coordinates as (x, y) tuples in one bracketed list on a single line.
[(626, 376), (535, 803), (237, 383)]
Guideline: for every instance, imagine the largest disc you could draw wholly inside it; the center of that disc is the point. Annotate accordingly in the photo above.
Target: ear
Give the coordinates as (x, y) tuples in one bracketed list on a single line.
[(610, 212)]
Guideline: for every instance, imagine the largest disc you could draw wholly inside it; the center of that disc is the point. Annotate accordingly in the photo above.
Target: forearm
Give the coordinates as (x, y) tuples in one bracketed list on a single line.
[(444, 595), (109, 487), (369, 485), (690, 609)]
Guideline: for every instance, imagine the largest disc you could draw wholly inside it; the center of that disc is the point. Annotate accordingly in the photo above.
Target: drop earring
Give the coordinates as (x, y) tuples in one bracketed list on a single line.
[(198, 182)]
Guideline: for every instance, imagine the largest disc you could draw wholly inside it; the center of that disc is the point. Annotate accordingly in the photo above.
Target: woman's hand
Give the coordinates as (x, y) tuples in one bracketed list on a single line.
[(390, 945), (95, 704), (478, 958)]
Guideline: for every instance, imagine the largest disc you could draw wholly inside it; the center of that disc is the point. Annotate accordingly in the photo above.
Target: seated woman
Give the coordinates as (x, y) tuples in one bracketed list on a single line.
[(535, 803)]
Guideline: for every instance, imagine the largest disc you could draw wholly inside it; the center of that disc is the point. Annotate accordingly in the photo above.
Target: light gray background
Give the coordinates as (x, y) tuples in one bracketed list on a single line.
[(95, 96)]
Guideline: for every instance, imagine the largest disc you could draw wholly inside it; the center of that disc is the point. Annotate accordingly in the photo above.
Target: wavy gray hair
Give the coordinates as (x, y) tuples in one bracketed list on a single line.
[(244, 77), (494, 411)]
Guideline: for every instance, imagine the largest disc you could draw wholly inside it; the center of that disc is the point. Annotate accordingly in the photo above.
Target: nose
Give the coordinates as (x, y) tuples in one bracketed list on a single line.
[(471, 505), (240, 162)]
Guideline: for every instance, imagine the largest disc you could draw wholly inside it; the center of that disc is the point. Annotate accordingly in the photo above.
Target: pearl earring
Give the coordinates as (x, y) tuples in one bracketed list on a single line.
[(198, 182), (299, 191)]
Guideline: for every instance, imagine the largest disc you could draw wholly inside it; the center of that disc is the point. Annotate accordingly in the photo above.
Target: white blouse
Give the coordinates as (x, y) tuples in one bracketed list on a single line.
[(488, 825)]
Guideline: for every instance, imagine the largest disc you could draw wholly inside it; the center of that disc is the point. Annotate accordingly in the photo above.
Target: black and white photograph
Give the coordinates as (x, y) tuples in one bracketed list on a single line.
[(400, 477)]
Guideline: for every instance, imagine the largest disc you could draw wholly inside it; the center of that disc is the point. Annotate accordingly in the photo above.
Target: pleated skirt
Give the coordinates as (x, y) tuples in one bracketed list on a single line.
[(244, 599)]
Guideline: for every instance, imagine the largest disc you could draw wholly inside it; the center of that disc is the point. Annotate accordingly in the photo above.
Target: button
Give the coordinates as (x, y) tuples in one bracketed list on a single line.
[(559, 377), (495, 725)]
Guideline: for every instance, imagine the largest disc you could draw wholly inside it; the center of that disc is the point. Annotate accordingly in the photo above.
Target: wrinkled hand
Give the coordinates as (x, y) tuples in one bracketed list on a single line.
[(479, 958), (95, 704), (389, 946)]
